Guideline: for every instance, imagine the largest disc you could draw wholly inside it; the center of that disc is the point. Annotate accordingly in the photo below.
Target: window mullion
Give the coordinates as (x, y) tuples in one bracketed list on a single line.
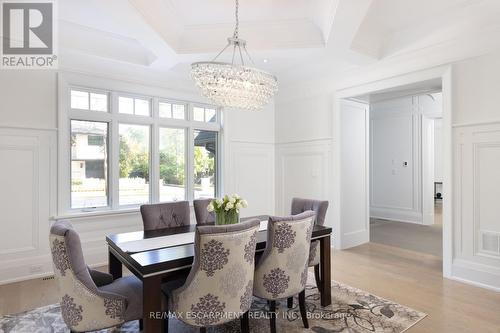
[(190, 164), (155, 155), (114, 156)]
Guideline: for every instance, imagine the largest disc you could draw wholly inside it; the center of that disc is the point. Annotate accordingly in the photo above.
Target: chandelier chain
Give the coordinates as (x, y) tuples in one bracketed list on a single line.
[(237, 27)]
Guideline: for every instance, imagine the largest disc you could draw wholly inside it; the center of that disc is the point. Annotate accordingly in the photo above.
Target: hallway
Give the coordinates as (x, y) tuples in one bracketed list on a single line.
[(426, 239)]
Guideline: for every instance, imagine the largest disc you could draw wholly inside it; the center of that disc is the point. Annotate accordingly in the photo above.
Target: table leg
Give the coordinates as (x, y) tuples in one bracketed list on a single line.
[(151, 304), (325, 271), (114, 265)]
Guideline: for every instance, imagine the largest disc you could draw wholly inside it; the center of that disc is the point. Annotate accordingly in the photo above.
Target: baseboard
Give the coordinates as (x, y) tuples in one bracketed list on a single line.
[(396, 215), (476, 274), (355, 238)]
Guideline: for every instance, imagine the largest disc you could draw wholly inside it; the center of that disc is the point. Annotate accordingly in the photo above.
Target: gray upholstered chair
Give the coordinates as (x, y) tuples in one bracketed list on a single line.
[(200, 211), (165, 215), (282, 270), (220, 284), (300, 205), (90, 300)]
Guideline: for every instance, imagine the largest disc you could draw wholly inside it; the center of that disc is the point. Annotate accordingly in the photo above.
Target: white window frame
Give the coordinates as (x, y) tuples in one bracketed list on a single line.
[(114, 118)]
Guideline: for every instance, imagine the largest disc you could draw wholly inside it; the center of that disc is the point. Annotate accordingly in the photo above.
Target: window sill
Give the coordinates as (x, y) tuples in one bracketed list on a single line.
[(82, 215)]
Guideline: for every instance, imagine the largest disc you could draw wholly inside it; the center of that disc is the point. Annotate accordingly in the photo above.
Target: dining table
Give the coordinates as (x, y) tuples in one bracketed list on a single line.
[(157, 256)]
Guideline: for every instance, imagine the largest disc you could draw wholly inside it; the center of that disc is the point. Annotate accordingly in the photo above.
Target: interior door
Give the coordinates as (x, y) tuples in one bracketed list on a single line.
[(354, 161)]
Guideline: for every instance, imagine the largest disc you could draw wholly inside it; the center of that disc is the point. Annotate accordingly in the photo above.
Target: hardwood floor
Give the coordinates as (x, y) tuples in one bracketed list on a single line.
[(403, 276), (415, 280)]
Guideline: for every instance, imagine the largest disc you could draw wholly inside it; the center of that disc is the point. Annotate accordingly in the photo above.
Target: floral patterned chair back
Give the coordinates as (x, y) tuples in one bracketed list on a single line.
[(282, 270), (220, 283), (203, 216), (165, 215), (84, 306), (300, 205)]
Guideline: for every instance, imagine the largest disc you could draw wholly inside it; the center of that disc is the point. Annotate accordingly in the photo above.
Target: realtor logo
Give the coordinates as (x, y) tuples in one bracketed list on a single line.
[(28, 35)]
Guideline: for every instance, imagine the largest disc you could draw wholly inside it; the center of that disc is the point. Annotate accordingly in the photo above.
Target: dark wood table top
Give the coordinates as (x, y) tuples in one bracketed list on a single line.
[(170, 259)]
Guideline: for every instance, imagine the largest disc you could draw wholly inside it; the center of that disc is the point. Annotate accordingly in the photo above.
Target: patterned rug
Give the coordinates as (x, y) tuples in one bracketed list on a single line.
[(352, 311)]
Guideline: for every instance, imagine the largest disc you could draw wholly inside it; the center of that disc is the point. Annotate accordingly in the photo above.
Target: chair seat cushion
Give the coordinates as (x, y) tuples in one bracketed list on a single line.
[(129, 287)]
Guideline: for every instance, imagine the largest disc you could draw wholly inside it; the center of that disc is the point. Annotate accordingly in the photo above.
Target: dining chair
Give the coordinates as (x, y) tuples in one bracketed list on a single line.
[(282, 270), (220, 284), (90, 300), (200, 211), (300, 205), (165, 215)]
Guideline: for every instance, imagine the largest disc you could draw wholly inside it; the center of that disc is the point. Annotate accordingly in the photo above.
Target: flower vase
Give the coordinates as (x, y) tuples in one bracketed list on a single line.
[(227, 217)]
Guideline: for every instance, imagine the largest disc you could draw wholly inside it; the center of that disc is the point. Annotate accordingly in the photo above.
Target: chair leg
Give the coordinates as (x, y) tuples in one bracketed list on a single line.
[(272, 311), (289, 302), (141, 324), (245, 323), (317, 277), (302, 306)]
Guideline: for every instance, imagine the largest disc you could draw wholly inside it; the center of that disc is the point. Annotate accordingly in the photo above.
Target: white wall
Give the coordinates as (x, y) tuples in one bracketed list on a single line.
[(395, 137), (476, 166), (438, 150), (28, 148), (397, 157), (303, 151), (475, 85)]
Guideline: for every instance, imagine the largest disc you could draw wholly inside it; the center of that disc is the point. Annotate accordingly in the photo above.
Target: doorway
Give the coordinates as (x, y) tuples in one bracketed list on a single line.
[(354, 172), (403, 168)]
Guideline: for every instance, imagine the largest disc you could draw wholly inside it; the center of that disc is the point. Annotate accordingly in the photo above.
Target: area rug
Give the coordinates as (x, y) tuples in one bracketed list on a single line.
[(352, 311)]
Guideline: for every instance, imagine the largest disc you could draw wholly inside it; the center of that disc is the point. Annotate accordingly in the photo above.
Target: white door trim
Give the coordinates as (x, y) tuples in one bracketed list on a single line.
[(445, 74)]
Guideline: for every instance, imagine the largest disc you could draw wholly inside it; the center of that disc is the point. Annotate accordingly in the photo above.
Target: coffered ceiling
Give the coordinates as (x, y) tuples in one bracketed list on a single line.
[(159, 38)]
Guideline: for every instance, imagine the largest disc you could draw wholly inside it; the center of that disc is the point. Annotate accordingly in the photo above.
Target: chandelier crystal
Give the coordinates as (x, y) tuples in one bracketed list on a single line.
[(234, 85)]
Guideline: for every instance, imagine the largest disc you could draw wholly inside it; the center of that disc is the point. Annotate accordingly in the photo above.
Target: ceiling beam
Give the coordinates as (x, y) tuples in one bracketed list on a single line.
[(349, 16)]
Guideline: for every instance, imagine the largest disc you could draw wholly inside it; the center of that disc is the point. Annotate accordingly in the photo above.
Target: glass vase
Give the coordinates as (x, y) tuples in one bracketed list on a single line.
[(229, 217)]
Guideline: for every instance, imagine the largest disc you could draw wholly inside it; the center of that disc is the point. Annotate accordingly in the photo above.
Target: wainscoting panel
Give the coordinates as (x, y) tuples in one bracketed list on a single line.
[(251, 175), (27, 199), (303, 170), (477, 209)]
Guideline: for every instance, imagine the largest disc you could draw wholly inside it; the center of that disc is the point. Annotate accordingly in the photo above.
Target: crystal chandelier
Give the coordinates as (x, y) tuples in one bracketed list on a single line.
[(234, 85)]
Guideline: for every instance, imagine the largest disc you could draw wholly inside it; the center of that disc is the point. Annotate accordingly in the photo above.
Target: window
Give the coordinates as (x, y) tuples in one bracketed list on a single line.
[(123, 155), (205, 159), (85, 100), (207, 115), (169, 110), (172, 164), (137, 106), (134, 164), (89, 183)]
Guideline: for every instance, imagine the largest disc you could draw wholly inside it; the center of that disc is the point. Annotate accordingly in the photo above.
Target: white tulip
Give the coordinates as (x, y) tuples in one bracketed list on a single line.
[(244, 203), (219, 202), (210, 207), (232, 199), (236, 196), (239, 205), (229, 205)]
